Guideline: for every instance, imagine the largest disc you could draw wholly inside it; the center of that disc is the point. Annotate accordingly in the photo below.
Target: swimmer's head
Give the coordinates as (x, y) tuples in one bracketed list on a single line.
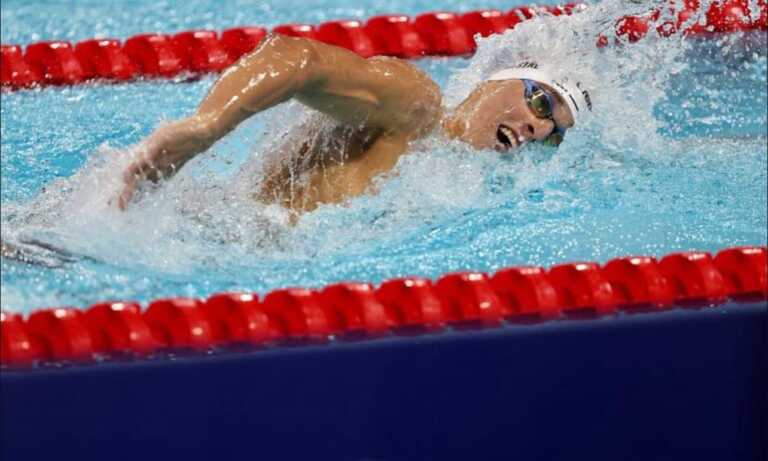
[(516, 106)]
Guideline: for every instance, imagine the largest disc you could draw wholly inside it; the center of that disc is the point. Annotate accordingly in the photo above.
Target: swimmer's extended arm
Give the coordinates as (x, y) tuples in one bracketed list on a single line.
[(382, 93)]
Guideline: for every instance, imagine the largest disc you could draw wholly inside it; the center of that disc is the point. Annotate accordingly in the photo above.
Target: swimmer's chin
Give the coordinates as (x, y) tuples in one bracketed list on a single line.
[(506, 151)]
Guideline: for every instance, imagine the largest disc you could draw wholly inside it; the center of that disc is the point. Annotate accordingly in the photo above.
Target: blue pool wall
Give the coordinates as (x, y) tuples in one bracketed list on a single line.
[(684, 384)]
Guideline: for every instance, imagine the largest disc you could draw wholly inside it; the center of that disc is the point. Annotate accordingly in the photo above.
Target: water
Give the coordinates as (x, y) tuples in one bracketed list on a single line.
[(673, 158)]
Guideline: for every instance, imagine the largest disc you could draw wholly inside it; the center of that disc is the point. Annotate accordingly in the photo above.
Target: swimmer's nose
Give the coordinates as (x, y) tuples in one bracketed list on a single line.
[(529, 132), (536, 129)]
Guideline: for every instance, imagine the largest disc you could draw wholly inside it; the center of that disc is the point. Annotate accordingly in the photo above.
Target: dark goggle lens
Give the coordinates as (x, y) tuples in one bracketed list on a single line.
[(539, 104)]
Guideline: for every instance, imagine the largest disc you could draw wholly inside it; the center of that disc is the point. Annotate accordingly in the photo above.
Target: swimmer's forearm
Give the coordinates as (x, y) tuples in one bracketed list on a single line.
[(179, 141)]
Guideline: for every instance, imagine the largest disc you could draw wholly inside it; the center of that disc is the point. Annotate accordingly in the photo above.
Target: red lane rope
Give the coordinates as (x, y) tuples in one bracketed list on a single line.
[(511, 295), (429, 34)]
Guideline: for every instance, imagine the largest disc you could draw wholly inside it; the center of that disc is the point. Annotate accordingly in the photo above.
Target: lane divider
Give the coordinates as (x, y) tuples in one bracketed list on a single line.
[(519, 295), (428, 34)]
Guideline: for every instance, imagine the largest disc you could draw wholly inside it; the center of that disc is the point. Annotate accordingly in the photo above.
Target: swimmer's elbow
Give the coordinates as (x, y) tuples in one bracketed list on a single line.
[(276, 40), (296, 53)]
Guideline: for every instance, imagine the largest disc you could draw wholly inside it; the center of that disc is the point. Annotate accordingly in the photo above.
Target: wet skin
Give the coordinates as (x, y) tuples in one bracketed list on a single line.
[(382, 104)]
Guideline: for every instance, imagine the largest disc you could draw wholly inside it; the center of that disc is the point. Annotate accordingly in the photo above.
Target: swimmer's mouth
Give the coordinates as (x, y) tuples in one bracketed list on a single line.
[(507, 138)]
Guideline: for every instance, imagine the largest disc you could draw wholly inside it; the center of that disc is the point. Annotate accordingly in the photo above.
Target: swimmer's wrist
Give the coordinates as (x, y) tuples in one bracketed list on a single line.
[(196, 132)]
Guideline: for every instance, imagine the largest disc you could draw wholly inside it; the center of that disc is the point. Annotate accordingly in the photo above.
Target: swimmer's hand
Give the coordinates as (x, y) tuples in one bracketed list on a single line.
[(163, 154)]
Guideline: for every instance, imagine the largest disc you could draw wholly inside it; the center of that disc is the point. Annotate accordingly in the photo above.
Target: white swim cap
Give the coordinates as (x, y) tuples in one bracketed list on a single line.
[(572, 93)]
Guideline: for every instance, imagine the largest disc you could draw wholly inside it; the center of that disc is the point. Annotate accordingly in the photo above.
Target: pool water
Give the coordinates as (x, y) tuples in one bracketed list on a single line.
[(674, 158)]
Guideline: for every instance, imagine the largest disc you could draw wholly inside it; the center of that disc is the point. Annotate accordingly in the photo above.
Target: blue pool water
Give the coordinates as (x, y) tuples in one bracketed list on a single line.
[(674, 158)]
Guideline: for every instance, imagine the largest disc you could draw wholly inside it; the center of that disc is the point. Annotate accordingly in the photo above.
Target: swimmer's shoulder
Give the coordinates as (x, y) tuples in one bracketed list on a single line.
[(422, 95), (405, 73)]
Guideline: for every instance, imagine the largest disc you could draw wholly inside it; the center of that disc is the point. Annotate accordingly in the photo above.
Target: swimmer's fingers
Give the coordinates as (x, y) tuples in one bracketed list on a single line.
[(129, 188), (153, 163), (147, 169), (135, 173)]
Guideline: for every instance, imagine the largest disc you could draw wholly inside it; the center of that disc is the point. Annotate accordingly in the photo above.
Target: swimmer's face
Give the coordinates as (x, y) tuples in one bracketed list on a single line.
[(496, 115)]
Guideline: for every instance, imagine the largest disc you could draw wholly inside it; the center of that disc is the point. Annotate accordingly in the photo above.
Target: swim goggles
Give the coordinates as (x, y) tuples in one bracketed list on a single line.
[(542, 103)]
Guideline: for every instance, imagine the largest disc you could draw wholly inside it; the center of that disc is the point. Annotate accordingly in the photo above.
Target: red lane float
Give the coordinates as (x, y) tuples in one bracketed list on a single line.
[(16, 345), (300, 314), (444, 34), (721, 16), (14, 70), (179, 323), (637, 282), (413, 303), (55, 61), (485, 23), (119, 327), (154, 55), (104, 59), (348, 34), (239, 318), (582, 289), (527, 293), (429, 34), (61, 333), (395, 35), (201, 51), (729, 15), (356, 308), (468, 297), (408, 305), (745, 271), (694, 277)]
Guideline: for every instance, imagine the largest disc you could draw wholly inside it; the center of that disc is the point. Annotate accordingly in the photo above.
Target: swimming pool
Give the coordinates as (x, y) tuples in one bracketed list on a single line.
[(675, 159)]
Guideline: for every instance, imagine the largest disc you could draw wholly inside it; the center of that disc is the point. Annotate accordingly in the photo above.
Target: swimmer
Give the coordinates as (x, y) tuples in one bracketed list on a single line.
[(381, 105)]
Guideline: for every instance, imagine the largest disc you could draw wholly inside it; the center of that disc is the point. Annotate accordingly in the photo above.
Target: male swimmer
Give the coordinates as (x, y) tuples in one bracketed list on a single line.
[(381, 105)]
